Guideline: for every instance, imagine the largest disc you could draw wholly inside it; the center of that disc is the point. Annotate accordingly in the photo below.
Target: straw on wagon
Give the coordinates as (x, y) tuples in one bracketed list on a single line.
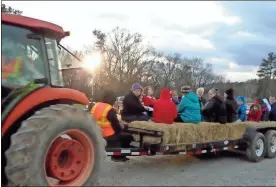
[(181, 133)]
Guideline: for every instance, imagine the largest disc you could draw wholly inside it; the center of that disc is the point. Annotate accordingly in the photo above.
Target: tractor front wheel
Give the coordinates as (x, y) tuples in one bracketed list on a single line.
[(58, 146)]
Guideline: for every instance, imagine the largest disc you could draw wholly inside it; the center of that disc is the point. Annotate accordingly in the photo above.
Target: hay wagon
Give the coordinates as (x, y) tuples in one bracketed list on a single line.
[(256, 140)]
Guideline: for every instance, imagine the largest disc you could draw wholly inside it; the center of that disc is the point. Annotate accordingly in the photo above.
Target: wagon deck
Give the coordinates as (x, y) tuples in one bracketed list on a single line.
[(249, 143)]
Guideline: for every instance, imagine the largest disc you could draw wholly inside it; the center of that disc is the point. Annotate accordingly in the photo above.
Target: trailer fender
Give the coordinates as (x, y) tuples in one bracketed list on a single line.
[(250, 134)]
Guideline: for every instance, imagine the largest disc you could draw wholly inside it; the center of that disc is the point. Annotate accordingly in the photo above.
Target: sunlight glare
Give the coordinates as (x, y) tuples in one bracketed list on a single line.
[(92, 61)]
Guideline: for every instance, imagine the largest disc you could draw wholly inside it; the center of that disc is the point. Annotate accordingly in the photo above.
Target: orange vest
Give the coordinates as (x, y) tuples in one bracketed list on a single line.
[(100, 111), (13, 68)]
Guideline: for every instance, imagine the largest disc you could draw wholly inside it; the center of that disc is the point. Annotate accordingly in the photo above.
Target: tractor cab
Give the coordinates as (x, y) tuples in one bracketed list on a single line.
[(29, 53)]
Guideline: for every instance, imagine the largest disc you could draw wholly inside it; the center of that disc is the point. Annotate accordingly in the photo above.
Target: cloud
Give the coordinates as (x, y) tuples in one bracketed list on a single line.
[(136, 16), (245, 34), (232, 70), (234, 36)]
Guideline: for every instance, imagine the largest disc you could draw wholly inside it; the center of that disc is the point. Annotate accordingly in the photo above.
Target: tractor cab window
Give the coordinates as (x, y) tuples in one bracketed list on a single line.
[(54, 62), (22, 60)]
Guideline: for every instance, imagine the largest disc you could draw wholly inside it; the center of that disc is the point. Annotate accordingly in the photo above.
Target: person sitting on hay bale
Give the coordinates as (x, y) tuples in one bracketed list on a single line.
[(255, 112), (202, 100), (164, 110), (149, 109), (148, 98), (242, 108), (268, 108), (174, 97), (231, 106), (116, 106), (272, 115), (106, 117), (214, 110), (132, 107), (264, 109), (189, 107)]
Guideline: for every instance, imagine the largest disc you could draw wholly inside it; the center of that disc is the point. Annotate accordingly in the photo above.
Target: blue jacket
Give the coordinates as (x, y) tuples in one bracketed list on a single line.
[(189, 108), (242, 108)]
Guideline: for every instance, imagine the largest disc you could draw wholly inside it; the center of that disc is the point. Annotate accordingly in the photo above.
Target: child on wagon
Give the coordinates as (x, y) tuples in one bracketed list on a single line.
[(148, 98), (174, 97), (255, 112)]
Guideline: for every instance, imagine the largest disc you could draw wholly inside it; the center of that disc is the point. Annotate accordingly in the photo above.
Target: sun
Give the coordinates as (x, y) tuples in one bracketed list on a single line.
[(92, 61)]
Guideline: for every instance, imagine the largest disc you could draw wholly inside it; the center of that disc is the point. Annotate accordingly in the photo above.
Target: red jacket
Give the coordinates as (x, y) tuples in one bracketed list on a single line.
[(164, 110), (254, 115), (148, 101)]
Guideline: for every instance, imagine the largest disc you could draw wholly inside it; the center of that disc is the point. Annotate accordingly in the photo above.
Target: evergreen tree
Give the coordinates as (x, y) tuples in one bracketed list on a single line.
[(267, 68), (10, 10)]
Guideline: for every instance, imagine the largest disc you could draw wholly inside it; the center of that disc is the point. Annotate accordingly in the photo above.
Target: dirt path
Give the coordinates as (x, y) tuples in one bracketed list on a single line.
[(185, 170)]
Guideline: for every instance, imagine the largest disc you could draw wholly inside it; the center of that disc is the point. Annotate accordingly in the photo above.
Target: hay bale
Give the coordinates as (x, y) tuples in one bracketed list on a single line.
[(151, 126), (181, 133), (262, 124)]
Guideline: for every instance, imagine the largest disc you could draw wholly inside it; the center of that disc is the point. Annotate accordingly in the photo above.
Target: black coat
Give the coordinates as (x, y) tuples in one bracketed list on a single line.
[(265, 113), (132, 105), (272, 115), (215, 111), (231, 109)]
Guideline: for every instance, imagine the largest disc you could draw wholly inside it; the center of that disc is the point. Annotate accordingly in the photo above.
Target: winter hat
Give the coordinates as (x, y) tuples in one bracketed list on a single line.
[(241, 99), (230, 92), (185, 89), (136, 86)]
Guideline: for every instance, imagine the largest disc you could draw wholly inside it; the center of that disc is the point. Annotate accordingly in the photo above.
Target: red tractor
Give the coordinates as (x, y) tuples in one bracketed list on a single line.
[(46, 141)]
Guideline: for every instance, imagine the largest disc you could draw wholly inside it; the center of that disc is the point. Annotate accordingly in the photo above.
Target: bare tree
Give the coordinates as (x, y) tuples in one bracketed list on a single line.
[(125, 57)]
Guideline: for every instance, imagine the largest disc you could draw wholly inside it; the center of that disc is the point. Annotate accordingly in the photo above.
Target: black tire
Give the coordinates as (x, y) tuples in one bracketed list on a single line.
[(251, 148), (269, 135), (26, 155)]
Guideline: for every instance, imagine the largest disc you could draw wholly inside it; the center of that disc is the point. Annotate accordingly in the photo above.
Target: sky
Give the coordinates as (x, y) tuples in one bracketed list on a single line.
[(232, 35)]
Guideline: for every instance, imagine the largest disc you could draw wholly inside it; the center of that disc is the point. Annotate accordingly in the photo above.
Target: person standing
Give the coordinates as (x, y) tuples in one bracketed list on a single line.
[(214, 110), (231, 106), (132, 108), (189, 107)]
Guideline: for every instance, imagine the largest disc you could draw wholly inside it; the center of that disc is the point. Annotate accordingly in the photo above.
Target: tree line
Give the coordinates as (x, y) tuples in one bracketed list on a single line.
[(127, 58)]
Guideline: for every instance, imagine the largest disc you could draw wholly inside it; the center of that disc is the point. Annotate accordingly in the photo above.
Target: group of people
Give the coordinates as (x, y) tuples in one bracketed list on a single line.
[(140, 105)]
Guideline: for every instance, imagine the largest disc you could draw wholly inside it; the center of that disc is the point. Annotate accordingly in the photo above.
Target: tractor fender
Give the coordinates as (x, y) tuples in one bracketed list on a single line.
[(38, 97)]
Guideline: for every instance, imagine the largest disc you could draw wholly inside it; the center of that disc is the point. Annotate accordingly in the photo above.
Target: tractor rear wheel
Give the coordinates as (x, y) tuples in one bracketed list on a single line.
[(58, 146)]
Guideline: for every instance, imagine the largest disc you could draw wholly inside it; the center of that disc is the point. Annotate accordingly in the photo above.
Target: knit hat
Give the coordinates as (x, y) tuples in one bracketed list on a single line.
[(136, 86), (230, 92), (185, 89)]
